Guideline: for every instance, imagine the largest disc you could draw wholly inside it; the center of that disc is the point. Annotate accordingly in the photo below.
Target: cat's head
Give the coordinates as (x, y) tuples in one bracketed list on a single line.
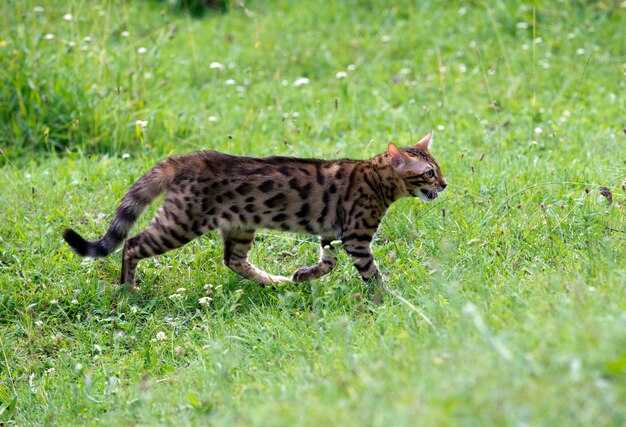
[(418, 168)]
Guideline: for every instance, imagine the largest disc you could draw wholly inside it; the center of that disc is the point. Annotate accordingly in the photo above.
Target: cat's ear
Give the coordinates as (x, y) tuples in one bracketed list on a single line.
[(424, 143), (397, 158)]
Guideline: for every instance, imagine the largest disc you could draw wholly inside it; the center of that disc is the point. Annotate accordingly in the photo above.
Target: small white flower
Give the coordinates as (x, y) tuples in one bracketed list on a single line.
[(27, 175), (54, 302), (212, 119), (538, 40), (538, 131), (351, 67), (571, 36), (205, 301), (68, 17), (463, 68), (74, 301), (341, 75), (208, 288), (180, 351), (49, 36), (301, 81), (38, 323), (284, 83), (134, 309), (230, 82), (78, 367), (175, 297), (525, 46), (462, 11), (580, 51), (385, 39), (147, 75), (142, 123), (522, 25), (440, 127), (404, 71), (71, 43), (216, 66), (295, 114), (142, 50), (160, 336), (49, 372), (87, 39), (125, 34), (98, 348), (38, 9), (181, 290)]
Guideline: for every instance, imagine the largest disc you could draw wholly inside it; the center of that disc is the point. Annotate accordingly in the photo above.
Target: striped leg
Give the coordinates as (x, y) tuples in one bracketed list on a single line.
[(358, 246), (328, 260), (237, 244), (167, 230)]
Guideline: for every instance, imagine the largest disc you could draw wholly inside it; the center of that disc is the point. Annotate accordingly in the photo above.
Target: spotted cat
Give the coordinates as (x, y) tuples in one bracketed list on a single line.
[(207, 190)]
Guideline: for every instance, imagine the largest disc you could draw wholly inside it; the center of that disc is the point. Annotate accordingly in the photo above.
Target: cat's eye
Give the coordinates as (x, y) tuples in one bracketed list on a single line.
[(430, 174)]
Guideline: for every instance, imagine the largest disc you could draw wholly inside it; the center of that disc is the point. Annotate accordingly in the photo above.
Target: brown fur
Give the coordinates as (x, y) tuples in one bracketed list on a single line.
[(207, 190)]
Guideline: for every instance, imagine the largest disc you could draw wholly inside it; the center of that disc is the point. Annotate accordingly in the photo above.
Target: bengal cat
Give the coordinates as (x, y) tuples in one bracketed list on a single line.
[(207, 190)]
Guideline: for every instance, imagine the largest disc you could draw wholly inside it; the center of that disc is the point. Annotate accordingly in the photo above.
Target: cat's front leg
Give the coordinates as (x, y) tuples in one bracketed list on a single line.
[(328, 260), (358, 246)]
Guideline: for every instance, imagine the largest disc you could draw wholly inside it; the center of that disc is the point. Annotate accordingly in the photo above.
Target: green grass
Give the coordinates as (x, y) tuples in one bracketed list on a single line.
[(519, 266)]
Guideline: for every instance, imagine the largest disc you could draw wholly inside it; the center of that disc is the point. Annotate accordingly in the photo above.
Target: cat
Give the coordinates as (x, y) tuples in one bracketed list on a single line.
[(206, 190)]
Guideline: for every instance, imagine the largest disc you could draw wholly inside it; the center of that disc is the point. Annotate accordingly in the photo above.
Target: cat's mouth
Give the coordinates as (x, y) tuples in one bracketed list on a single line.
[(427, 195)]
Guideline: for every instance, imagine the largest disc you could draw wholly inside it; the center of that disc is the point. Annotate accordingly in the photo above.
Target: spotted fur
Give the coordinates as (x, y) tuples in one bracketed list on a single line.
[(207, 190)]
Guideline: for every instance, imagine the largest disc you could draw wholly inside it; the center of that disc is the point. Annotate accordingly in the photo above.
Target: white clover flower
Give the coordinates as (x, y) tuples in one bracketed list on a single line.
[(38, 323), (134, 309), (179, 290), (87, 39), (142, 50), (68, 17), (208, 288), (462, 11), (441, 127), (580, 51), (74, 301), (571, 36), (351, 67), (54, 302), (538, 40), (295, 114), (142, 123), (212, 119), (175, 297), (27, 175), (522, 25), (230, 82), (49, 36), (341, 75), (38, 9), (205, 301), (125, 34), (160, 336), (301, 81), (49, 372), (180, 351), (385, 39), (463, 68), (216, 66), (79, 367), (284, 82), (538, 131), (525, 46), (71, 43)]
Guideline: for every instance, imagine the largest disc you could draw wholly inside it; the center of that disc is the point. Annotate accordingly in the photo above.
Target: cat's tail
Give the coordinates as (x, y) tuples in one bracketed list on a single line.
[(139, 196)]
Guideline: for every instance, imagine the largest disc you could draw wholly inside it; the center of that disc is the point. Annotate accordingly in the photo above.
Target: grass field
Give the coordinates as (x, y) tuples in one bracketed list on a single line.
[(510, 298)]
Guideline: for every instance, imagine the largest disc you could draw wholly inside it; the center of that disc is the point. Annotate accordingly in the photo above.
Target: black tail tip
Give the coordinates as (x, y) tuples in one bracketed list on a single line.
[(80, 245)]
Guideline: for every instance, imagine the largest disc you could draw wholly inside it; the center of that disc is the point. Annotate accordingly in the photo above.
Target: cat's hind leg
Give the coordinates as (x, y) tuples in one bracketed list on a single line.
[(237, 244), (328, 260), (169, 229)]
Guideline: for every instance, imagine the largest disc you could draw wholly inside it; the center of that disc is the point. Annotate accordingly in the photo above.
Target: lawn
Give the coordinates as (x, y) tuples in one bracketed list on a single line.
[(509, 291)]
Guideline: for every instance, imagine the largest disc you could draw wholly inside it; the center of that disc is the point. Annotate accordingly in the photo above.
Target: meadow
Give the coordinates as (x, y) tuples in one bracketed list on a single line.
[(509, 298)]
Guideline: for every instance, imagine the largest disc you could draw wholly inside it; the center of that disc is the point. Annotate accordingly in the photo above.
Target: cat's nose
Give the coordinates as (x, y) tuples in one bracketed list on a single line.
[(443, 186)]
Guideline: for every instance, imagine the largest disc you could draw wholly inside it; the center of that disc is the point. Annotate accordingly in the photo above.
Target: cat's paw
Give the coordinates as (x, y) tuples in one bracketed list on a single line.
[(303, 274)]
